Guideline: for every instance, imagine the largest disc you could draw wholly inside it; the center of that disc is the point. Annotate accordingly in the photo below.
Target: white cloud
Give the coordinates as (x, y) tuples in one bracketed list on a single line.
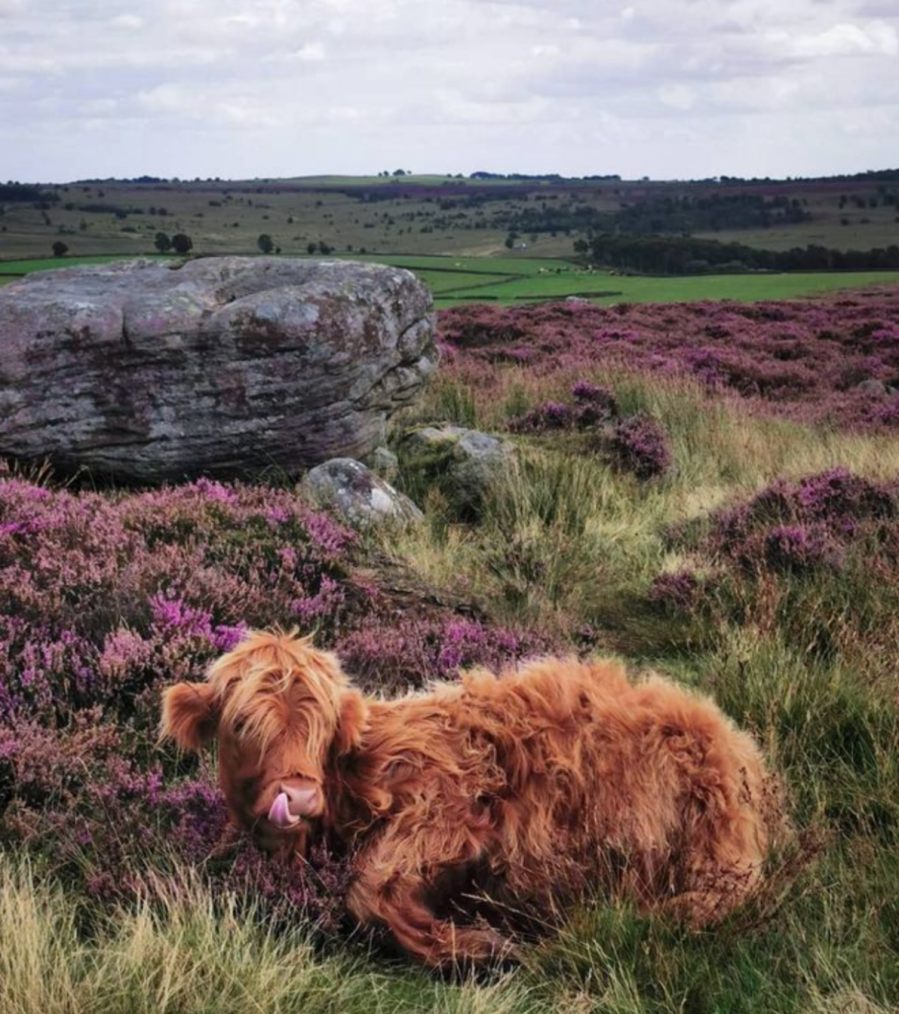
[(677, 96), (343, 113), (243, 113), (846, 39), (640, 86), (128, 22), (166, 98), (311, 51)]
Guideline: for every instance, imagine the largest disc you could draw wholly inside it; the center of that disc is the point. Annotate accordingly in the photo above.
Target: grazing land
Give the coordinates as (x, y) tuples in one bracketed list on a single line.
[(709, 490), (448, 215), (510, 280)]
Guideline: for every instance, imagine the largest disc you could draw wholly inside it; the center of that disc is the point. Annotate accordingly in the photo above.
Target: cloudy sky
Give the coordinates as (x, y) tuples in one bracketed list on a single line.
[(245, 88)]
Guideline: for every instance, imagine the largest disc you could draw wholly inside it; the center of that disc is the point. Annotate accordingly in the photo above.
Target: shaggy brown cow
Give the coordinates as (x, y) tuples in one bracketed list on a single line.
[(532, 786)]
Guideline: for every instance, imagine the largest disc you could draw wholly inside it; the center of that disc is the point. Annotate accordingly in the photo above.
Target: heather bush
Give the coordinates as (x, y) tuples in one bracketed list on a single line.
[(549, 415), (105, 596), (811, 523), (639, 445), (411, 653), (676, 591), (800, 359), (591, 407)]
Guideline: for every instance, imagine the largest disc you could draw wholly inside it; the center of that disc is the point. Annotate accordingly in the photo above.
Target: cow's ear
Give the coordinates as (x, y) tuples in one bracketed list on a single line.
[(352, 723), (188, 715)]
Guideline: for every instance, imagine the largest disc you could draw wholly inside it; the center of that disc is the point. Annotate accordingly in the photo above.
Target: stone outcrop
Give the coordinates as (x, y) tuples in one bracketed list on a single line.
[(221, 367)]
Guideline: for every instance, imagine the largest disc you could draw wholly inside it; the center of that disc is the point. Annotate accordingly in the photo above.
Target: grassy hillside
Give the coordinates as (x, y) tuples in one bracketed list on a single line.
[(432, 214)]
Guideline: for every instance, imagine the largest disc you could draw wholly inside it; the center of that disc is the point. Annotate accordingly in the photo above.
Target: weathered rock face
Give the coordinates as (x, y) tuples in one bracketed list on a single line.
[(221, 367)]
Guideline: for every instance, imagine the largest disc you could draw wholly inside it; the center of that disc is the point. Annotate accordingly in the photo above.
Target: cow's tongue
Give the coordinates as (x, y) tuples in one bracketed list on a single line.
[(280, 814)]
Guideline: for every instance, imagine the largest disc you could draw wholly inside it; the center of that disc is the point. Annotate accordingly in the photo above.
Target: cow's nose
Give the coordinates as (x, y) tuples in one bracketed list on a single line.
[(302, 800)]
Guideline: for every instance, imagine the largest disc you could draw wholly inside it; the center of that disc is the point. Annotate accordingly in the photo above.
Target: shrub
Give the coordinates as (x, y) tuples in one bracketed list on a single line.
[(676, 591), (800, 359), (592, 407), (639, 445)]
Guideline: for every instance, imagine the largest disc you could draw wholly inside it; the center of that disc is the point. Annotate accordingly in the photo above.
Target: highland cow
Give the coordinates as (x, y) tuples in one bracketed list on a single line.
[(522, 792)]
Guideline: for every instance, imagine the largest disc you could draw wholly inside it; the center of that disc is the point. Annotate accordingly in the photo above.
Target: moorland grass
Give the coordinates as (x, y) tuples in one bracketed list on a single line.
[(807, 662), (191, 952)]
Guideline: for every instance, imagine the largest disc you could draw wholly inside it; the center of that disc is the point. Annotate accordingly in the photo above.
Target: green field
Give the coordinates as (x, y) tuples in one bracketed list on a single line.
[(512, 280)]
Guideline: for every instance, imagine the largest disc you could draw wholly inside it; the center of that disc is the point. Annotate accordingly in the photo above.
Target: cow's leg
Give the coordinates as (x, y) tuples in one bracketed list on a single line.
[(392, 890), (721, 868)]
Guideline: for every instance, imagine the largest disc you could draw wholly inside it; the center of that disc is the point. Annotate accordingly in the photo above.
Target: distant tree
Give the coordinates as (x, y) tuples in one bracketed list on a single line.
[(162, 242), (324, 249), (60, 249), (181, 243), (265, 243), (311, 248)]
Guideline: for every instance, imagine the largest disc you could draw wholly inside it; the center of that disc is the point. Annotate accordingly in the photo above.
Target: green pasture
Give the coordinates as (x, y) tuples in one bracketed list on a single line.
[(514, 280), (27, 267)]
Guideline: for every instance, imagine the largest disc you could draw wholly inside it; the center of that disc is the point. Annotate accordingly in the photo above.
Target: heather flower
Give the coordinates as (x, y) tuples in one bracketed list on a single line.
[(838, 500), (587, 393), (800, 359), (799, 549), (676, 591), (409, 653), (550, 415)]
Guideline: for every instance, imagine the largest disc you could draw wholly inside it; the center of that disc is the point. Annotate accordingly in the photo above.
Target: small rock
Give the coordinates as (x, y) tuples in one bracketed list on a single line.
[(478, 461), (358, 496), (435, 438), (466, 462), (383, 462), (872, 386)]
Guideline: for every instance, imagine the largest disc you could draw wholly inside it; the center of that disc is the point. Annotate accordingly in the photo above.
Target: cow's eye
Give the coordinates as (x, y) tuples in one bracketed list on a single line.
[(248, 787)]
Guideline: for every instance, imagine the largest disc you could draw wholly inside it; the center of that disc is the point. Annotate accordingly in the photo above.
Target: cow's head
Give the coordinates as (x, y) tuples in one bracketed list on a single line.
[(282, 713)]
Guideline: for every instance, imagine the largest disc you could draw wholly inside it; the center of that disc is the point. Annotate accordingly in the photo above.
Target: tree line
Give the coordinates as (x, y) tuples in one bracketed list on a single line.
[(686, 255)]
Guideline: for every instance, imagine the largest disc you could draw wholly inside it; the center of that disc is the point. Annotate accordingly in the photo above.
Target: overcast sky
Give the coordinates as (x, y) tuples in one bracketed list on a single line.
[(245, 88)]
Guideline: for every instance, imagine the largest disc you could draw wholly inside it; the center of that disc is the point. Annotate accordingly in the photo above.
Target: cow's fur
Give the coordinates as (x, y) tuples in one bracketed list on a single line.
[(535, 786)]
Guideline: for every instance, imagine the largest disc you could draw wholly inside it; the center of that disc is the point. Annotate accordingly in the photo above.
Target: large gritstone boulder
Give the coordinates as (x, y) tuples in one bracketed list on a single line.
[(221, 367)]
